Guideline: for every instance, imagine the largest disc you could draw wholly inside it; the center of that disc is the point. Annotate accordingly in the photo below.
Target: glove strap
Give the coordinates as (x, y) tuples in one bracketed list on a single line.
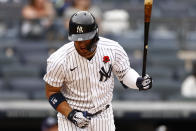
[(71, 115), (139, 83)]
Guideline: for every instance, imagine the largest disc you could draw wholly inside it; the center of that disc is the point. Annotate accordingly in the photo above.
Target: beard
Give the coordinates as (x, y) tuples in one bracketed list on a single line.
[(86, 53)]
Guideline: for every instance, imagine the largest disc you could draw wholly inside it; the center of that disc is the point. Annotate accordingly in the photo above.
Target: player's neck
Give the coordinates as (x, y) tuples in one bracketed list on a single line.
[(91, 56), (86, 54)]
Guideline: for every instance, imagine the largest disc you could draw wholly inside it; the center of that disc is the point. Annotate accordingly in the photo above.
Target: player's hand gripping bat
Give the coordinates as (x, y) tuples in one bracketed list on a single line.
[(147, 15)]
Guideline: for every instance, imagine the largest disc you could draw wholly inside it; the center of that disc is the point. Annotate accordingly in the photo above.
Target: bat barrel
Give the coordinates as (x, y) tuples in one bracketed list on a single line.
[(147, 10)]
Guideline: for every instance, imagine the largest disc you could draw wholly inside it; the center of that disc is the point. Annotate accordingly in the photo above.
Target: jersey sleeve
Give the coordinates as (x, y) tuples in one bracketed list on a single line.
[(54, 75), (121, 64)]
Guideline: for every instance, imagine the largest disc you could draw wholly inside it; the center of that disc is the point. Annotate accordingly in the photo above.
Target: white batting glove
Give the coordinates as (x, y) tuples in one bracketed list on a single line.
[(79, 118), (144, 83)]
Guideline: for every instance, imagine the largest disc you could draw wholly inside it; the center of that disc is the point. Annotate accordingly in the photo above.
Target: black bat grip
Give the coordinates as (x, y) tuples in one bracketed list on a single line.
[(145, 51)]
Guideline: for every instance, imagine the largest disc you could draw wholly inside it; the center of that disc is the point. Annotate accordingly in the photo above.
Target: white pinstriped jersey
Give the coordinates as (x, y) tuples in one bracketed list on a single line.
[(87, 84)]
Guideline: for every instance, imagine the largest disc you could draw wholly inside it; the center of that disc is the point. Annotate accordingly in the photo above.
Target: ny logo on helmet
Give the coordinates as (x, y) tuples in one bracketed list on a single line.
[(79, 29)]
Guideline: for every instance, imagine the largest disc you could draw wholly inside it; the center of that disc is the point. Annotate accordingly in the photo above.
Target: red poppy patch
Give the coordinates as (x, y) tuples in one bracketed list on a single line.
[(106, 59)]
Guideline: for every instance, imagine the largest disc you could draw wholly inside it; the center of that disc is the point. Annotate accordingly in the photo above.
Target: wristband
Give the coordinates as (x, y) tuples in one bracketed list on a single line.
[(56, 99)]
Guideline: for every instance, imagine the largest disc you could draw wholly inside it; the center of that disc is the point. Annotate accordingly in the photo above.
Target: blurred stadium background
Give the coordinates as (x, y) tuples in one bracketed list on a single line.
[(172, 49)]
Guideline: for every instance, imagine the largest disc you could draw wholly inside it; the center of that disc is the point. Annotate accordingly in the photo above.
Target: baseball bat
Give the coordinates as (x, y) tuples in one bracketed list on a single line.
[(147, 15)]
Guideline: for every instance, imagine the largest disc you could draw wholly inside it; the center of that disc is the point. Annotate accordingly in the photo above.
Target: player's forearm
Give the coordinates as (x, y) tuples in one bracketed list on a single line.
[(130, 79), (63, 107)]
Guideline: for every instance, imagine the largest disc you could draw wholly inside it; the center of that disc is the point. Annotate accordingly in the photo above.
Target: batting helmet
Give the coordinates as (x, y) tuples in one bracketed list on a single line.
[(82, 26)]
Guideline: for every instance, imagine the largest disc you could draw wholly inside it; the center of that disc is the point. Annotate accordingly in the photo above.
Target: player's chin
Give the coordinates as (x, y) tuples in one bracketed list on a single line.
[(84, 52), (87, 54)]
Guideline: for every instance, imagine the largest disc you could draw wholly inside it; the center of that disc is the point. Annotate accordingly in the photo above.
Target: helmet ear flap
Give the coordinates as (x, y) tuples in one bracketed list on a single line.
[(93, 42), (96, 38)]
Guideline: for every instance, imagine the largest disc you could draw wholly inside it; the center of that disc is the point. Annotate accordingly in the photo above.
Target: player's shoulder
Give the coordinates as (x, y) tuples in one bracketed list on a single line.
[(62, 52), (108, 43)]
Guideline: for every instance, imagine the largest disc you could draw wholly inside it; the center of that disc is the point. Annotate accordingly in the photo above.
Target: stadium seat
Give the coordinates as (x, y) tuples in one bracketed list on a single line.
[(190, 41), (39, 94), (159, 71), (1, 84), (8, 43), (166, 87), (10, 15), (10, 12), (5, 60), (135, 60), (118, 88), (167, 60), (13, 95), (33, 54), (15, 71), (55, 45), (136, 95), (190, 46), (129, 43), (31, 86), (38, 59), (163, 48), (29, 47), (117, 85), (164, 42), (121, 93), (26, 84), (115, 96)]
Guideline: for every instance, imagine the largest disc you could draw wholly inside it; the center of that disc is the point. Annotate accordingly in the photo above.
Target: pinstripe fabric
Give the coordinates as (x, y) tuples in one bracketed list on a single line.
[(80, 80), (102, 122)]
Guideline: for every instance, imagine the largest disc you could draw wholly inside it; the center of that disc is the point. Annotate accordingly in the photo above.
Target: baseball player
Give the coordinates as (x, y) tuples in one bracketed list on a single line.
[(80, 77)]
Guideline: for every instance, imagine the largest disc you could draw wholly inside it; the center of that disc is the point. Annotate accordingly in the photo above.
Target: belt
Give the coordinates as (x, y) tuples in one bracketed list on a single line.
[(98, 112)]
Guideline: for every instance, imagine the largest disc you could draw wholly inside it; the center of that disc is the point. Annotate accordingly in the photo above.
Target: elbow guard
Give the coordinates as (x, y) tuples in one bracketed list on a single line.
[(56, 99), (129, 80), (124, 85)]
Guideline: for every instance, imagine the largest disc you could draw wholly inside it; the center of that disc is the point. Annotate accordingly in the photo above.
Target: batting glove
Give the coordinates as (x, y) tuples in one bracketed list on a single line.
[(79, 118), (144, 83)]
